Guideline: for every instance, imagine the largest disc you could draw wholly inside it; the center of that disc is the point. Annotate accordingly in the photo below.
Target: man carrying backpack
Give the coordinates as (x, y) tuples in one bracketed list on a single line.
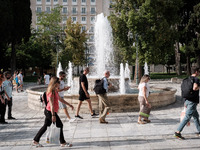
[(104, 105), (191, 102)]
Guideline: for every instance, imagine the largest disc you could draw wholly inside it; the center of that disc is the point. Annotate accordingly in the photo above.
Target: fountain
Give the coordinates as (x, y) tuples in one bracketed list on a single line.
[(59, 69), (70, 78), (146, 68), (122, 79), (122, 98)]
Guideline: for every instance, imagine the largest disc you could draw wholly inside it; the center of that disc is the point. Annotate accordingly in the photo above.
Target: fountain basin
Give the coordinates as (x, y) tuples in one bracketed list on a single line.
[(118, 102)]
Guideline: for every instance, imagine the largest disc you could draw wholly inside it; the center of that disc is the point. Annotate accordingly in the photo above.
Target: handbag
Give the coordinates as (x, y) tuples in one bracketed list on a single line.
[(54, 134)]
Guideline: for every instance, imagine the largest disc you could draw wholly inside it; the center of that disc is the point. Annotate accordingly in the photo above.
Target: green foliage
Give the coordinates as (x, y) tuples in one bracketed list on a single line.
[(166, 76), (14, 26), (75, 43), (50, 34), (152, 22)]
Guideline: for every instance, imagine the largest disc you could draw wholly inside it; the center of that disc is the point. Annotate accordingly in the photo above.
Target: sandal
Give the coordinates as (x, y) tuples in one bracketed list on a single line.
[(66, 145), (147, 121), (141, 122), (36, 144)]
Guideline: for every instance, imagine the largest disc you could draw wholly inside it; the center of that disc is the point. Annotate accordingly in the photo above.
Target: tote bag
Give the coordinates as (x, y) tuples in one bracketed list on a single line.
[(54, 134)]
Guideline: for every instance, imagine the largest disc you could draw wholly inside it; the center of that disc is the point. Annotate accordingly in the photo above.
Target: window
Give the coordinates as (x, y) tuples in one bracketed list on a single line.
[(91, 38), (48, 1), (64, 19), (93, 10), (48, 9), (74, 10), (65, 10), (64, 1), (91, 29), (83, 19), (83, 10), (39, 1), (83, 28), (93, 2), (39, 9), (55, 1), (92, 19), (74, 2), (83, 1), (37, 19), (74, 19)]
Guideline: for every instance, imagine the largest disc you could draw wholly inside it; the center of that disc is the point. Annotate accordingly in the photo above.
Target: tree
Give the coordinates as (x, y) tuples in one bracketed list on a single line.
[(75, 43), (14, 26), (152, 22), (185, 32), (50, 33)]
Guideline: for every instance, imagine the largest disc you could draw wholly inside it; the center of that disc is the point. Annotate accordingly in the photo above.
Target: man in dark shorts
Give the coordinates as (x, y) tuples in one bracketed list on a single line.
[(83, 93)]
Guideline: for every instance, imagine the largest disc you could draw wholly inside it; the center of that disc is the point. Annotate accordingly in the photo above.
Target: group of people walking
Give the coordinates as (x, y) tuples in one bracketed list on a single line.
[(55, 100)]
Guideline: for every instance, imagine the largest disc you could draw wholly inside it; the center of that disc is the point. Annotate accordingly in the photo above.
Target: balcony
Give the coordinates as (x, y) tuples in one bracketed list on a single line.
[(83, 13), (93, 12), (74, 12)]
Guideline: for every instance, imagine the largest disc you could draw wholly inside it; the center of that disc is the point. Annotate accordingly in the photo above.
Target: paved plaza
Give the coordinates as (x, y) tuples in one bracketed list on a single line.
[(122, 132)]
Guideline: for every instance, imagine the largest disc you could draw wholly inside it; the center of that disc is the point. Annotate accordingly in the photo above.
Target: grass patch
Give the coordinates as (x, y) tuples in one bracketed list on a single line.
[(166, 76)]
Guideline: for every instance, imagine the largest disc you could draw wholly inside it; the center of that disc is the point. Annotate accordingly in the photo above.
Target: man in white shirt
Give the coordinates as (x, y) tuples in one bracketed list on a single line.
[(46, 78), (20, 80), (61, 90)]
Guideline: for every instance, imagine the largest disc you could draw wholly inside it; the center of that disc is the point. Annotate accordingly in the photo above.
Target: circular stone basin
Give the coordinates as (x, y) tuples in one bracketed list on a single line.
[(118, 102)]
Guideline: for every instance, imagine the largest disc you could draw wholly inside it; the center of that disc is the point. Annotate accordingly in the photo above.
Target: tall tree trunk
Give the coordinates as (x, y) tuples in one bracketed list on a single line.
[(188, 65), (138, 73), (177, 59), (13, 58)]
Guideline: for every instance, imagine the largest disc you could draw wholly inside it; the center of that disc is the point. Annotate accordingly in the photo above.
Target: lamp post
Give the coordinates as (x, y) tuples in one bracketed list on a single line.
[(130, 35), (57, 42)]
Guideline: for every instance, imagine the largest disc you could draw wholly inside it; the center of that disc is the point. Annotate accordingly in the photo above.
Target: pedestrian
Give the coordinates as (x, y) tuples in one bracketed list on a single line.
[(51, 113), (62, 88), (83, 93), (3, 95), (15, 78), (143, 95), (46, 78), (7, 86), (20, 80), (191, 105), (104, 104)]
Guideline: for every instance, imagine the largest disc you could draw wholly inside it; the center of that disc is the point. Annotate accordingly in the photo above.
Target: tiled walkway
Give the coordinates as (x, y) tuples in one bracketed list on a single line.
[(122, 132)]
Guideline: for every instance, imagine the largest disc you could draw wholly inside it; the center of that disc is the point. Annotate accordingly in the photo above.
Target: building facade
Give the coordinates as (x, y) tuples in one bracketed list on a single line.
[(81, 11)]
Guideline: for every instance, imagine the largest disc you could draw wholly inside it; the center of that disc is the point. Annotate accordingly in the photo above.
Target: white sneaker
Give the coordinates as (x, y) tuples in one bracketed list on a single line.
[(72, 120)]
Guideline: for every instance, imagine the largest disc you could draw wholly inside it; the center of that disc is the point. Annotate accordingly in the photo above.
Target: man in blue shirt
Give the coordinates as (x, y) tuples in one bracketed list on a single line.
[(104, 104)]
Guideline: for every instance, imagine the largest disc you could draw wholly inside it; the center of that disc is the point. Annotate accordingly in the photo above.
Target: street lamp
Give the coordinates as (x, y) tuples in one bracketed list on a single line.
[(130, 36), (57, 42)]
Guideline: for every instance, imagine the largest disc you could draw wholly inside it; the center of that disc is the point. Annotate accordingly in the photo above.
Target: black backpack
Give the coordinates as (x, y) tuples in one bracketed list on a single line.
[(187, 88), (98, 87), (43, 98)]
